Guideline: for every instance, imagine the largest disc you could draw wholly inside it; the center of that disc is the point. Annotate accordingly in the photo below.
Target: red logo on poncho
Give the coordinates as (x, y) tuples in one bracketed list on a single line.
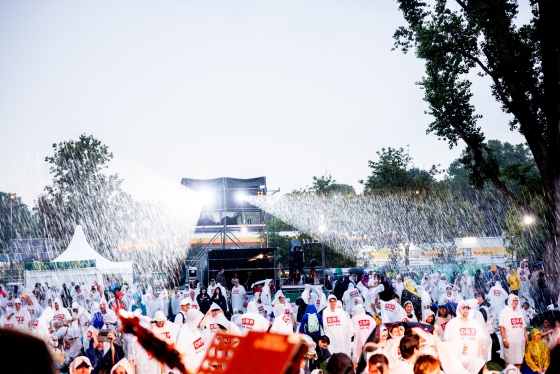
[(198, 343), (497, 292), (286, 318), (8, 326), (36, 323), (248, 322), (516, 321), (334, 319), (166, 335), (261, 308), (467, 331), (31, 311), (389, 307), (58, 316), (443, 325), (354, 293), (363, 322), (20, 319), (405, 319), (212, 327), (194, 306)]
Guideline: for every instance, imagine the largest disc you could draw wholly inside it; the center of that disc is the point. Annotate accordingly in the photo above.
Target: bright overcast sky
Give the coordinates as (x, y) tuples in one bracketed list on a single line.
[(206, 89)]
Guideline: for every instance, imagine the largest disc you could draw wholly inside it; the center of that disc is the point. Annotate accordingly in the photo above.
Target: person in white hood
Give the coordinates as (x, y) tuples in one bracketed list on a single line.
[(408, 315), (283, 315), (349, 296), (449, 295), (176, 300), (21, 316), (109, 316), (166, 331), (61, 315), (122, 367), (209, 323), (467, 285), (238, 296), (255, 305), (253, 322), (190, 341), (337, 327), (391, 309), (33, 307), (372, 297), (399, 286), (226, 326), (41, 327), (363, 326), (513, 332), (497, 297), (469, 332)]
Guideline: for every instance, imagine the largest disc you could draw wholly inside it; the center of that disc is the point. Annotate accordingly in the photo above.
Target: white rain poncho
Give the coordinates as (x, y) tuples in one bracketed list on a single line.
[(163, 300), (22, 320), (425, 314), (348, 297), (176, 301), (425, 297), (399, 287), (306, 294), (283, 316), (70, 340), (35, 309), (190, 342), (449, 295), (339, 330), (321, 301), (363, 326), (125, 365), (372, 297), (514, 324), (210, 328), (390, 310), (109, 317), (470, 334), (238, 297), (467, 285), (523, 273), (403, 317), (61, 314), (228, 327), (151, 302), (41, 327), (497, 297), (486, 341), (143, 362), (253, 322)]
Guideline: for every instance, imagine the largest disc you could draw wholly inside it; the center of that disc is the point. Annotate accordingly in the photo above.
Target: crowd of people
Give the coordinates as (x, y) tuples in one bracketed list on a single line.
[(363, 323)]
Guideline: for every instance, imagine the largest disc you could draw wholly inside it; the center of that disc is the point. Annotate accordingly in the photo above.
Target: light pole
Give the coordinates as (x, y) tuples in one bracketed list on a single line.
[(12, 198)]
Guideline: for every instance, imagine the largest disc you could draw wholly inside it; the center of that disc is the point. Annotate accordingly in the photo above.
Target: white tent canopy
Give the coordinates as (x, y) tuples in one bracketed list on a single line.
[(80, 250)]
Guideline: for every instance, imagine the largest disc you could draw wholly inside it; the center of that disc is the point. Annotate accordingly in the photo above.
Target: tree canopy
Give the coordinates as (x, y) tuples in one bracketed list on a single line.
[(522, 65), (81, 193), (394, 170)]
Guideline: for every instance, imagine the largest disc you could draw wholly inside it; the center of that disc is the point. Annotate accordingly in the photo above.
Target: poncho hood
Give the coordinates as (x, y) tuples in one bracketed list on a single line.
[(125, 364)]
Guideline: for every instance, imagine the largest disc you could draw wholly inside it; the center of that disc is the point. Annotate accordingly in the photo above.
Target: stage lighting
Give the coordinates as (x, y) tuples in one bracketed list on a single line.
[(240, 196), (207, 197)]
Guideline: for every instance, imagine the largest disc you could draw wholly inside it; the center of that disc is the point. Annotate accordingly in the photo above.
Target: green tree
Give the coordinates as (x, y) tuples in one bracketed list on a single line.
[(82, 194), (327, 186), (20, 223), (394, 171), (522, 64)]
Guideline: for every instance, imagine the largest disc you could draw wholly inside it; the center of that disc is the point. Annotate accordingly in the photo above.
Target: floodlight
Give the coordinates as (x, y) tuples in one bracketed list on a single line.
[(322, 228), (240, 196), (528, 219), (244, 229), (207, 196)]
